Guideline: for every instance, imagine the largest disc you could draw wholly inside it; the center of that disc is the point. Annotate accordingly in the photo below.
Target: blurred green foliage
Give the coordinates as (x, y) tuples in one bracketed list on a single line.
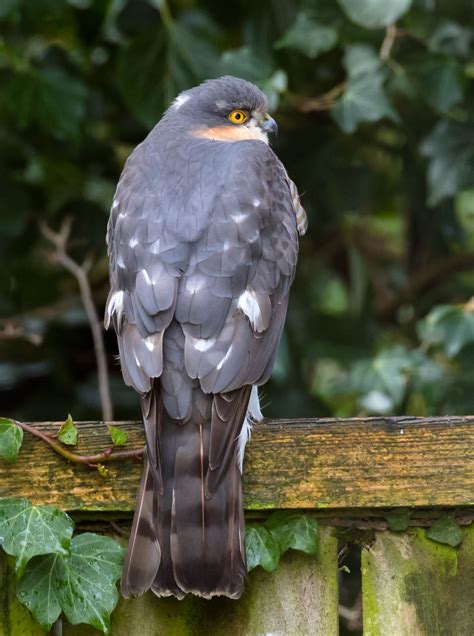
[(374, 102)]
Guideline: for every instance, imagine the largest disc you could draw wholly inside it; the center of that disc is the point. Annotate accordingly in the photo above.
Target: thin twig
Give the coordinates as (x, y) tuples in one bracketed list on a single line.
[(89, 460), (322, 102), (391, 34), (59, 241)]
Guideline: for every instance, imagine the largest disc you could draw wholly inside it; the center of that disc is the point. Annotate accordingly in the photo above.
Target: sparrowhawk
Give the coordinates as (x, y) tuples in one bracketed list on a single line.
[(203, 243)]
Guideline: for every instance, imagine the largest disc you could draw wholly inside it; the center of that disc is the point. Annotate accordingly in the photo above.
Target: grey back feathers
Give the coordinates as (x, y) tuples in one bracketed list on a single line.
[(203, 243)]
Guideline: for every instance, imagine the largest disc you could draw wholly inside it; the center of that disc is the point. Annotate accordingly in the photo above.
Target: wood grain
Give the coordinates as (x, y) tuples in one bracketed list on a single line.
[(312, 464)]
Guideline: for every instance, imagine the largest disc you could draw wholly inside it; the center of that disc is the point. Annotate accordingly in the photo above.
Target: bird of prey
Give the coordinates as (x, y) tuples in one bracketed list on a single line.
[(202, 242)]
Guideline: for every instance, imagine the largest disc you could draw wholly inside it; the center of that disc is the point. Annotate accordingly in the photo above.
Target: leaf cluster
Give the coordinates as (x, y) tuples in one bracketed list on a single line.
[(282, 531), (58, 573)]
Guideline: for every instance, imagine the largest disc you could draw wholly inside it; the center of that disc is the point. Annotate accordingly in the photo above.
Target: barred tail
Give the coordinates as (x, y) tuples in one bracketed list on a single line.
[(188, 535)]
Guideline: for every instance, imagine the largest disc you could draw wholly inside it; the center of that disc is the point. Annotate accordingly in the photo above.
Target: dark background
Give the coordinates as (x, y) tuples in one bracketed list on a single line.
[(374, 104)]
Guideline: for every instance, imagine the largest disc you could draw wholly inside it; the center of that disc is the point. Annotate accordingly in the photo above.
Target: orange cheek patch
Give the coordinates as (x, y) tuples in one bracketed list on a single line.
[(231, 133)]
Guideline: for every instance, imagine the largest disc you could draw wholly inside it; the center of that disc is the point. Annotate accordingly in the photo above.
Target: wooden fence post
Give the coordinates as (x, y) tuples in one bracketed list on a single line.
[(412, 586), (300, 598)]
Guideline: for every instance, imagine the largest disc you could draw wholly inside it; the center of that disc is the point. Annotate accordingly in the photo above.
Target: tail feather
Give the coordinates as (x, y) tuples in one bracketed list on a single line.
[(144, 554), (199, 529)]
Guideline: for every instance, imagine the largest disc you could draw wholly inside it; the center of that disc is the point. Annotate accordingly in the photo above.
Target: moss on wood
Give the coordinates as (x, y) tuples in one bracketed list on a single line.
[(307, 464), (415, 586)]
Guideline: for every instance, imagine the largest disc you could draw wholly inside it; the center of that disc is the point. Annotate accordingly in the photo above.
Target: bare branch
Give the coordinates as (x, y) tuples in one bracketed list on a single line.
[(60, 256), (391, 34), (322, 102)]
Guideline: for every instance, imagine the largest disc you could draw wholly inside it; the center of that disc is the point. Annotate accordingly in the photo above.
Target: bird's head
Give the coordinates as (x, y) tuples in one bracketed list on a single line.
[(224, 109)]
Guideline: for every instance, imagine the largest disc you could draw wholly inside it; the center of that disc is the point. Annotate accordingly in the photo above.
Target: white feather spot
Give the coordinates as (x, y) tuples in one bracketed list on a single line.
[(114, 306), (180, 100), (193, 285), (256, 202), (115, 204), (137, 361), (155, 247), (239, 217), (249, 305), (146, 276), (244, 436), (225, 358), (203, 344), (254, 414), (150, 343), (133, 241)]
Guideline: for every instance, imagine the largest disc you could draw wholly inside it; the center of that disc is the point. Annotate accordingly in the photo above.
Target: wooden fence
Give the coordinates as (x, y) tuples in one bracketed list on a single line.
[(348, 473)]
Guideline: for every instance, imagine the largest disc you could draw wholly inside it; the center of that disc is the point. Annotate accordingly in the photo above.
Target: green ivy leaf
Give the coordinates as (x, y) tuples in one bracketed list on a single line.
[(308, 37), (445, 530), (295, 531), (82, 585), (37, 589), (450, 150), (439, 80), (27, 530), (385, 374), (374, 14), (364, 99), (68, 432), (11, 439), (156, 66), (451, 38), (449, 326), (48, 98), (398, 519), (118, 435), (261, 548)]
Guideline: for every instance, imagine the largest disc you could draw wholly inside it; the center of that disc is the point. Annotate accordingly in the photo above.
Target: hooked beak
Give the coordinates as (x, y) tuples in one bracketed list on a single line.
[(269, 125)]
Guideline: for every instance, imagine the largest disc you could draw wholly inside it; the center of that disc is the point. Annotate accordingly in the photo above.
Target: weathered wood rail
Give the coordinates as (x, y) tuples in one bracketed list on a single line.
[(311, 464), (335, 468)]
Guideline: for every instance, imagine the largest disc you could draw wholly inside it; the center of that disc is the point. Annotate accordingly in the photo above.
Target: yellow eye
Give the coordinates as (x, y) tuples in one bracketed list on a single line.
[(238, 117)]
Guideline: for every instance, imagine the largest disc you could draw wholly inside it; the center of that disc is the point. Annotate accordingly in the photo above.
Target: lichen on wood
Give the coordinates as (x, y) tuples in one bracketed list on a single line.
[(320, 464), (414, 586)]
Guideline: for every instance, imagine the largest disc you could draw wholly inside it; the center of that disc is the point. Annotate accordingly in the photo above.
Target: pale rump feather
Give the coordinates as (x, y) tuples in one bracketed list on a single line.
[(253, 415)]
